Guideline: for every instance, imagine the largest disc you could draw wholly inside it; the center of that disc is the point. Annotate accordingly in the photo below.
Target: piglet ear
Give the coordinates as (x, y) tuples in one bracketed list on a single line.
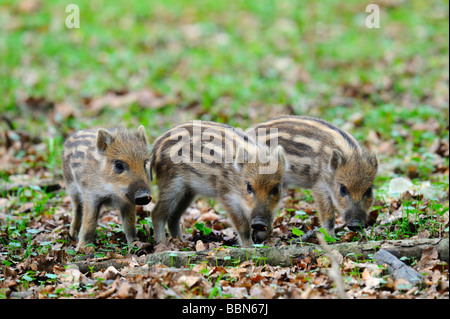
[(282, 160), (104, 139), (141, 132), (336, 160), (373, 159)]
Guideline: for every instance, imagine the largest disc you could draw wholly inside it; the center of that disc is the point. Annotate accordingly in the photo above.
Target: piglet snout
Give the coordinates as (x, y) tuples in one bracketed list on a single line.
[(142, 197)]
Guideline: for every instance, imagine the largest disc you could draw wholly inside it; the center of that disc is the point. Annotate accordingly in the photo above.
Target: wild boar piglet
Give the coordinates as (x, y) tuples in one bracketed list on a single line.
[(330, 162), (105, 167), (217, 161)]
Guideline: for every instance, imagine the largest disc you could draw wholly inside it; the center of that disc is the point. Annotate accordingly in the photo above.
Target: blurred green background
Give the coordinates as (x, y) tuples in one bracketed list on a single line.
[(160, 63)]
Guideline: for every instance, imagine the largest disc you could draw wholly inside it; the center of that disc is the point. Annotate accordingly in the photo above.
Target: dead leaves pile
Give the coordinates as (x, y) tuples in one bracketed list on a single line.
[(17, 147), (118, 274), (308, 279)]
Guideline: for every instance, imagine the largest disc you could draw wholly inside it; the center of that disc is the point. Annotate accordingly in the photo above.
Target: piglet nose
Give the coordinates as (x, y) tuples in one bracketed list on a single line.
[(260, 224), (355, 225), (142, 197)]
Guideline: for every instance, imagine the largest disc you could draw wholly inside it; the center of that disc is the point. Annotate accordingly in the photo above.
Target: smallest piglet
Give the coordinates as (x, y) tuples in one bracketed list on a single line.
[(108, 167)]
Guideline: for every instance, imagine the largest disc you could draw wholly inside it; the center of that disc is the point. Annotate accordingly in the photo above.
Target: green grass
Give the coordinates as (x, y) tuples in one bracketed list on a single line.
[(223, 54)]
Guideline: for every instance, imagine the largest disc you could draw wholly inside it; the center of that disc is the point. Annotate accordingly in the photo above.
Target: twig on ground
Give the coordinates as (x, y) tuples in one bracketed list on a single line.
[(334, 272)]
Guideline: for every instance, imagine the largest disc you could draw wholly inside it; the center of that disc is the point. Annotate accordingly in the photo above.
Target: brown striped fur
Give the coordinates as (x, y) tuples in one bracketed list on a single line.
[(105, 167), (249, 197), (330, 162)]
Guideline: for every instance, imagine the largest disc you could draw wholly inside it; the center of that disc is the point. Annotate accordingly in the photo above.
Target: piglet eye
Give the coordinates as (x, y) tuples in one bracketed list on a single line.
[(250, 188), (369, 192), (119, 167), (343, 191), (275, 191)]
